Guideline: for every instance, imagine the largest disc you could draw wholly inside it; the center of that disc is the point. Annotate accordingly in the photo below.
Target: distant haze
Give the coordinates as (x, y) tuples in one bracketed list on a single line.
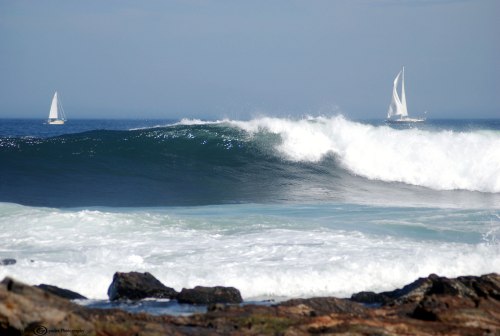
[(238, 59)]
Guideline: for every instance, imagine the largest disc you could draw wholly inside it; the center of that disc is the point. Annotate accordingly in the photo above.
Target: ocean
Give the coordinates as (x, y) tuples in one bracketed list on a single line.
[(276, 207)]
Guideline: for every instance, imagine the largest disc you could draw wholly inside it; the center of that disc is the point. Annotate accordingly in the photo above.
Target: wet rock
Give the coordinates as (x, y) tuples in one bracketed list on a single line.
[(61, 292), (7, 261), (209, 295), (369, 298), (136, 286)]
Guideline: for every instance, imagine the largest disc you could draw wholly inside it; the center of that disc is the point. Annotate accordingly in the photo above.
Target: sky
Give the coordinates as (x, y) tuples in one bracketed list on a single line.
[(241, 59)]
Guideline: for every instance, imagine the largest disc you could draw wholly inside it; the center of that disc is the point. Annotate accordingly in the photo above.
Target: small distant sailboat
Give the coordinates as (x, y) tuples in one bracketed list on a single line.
[(398, 112), (56, 114)]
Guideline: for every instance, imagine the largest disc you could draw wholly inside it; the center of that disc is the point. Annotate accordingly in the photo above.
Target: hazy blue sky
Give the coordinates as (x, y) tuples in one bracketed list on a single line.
[(237, 59)]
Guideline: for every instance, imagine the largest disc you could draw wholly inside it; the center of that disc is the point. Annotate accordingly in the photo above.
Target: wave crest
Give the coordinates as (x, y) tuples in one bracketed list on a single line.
[(441, 160)]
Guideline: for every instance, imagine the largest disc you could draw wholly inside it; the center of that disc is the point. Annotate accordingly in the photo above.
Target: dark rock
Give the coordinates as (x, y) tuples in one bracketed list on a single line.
[(327, 305), (412, 292), (136, 286), (61, 292), (370, 298), (485, 286), (7, 261), (427, 308), (471, 287), (208, 295), (438, 308)]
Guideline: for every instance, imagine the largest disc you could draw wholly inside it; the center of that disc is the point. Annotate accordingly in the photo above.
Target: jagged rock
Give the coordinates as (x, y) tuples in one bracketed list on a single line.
[(487, 285), (209, 295), (462, 306), (460, 295), (7, 261), (412, 292), (61, 292), (136, 286), (471, 287)]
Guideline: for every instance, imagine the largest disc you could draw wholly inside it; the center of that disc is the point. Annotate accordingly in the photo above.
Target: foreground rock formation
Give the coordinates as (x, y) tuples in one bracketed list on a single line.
[(429, 306), (136, 286), (208, 295), (61, 292)]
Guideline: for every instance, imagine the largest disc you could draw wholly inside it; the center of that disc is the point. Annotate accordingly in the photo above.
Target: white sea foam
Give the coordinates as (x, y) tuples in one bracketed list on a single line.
[(182, 122), (187, 121), (268, 254), (441, 160)]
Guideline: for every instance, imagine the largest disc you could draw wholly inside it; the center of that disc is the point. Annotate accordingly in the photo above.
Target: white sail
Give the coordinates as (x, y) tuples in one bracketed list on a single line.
[(53, 114), (398, 105), (56, 114)]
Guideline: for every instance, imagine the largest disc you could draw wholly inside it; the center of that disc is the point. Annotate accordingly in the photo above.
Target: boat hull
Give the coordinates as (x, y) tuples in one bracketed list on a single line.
[(56, 122), (404, 120)]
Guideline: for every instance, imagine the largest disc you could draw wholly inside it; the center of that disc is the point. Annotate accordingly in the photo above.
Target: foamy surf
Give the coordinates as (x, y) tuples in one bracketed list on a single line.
[(265, 251)]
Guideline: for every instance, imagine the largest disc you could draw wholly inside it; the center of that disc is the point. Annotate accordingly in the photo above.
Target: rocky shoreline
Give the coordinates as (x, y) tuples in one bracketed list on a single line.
[(468, 305)]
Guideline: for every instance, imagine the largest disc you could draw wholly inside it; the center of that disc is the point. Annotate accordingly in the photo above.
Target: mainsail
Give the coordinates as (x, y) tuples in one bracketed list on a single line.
[(53, 114), (398, 105)]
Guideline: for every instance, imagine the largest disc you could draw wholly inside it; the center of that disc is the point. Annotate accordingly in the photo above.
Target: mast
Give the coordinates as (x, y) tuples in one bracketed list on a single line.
[(404, 109)]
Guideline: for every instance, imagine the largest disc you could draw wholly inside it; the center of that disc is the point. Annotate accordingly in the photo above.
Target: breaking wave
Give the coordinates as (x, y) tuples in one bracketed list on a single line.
[(194, 162), (441, 160)]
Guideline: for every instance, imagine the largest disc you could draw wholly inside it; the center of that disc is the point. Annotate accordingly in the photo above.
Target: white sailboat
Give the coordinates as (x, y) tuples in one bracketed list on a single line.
[(56, 114), (398, 112)]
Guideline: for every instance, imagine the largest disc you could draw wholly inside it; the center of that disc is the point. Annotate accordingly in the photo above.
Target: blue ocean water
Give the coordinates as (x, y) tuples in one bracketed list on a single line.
[(164, 163), (276, 207)]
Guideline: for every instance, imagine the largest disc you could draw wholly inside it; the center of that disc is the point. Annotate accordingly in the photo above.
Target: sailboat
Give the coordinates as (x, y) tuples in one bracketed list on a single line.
[(398, 112), (56, 114)]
